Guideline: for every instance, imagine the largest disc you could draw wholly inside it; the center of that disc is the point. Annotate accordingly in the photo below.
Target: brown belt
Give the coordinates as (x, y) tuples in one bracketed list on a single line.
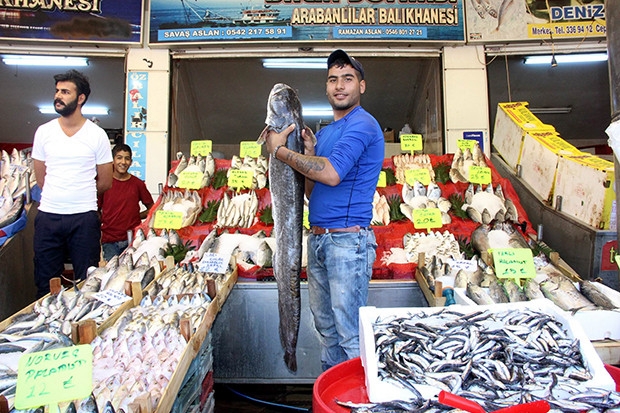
[(320, 230)]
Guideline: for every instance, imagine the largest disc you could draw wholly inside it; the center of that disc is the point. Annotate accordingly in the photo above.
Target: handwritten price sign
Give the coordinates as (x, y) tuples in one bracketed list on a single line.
[(214, 263), (249, 148), (190, 179), (382, 182), (422, 175), (411, 142), (479, 174), (427, 218), (463, 144), (201, 148), (240, 178), (168, 219), (49, 377), (514, 263)]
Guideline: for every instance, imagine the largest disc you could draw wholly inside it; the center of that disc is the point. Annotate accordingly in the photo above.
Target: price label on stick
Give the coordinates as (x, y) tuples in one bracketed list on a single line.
[(382, 182), (190, 179), (240, 178), (411, 142), (514, 263), (201, 147), (168, 219), (422, 175), (480, 175), (463, 144), (49, 377), (249, 148), (427, 218)]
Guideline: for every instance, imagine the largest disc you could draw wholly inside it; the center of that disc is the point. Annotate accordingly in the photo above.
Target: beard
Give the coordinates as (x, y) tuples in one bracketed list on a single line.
[(67, 109)]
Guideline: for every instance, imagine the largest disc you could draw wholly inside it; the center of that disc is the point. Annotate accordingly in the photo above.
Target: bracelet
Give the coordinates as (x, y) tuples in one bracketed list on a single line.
[(275, 151)]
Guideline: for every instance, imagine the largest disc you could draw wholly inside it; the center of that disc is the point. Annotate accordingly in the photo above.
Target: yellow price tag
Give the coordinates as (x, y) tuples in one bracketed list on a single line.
[(306, 221), (463, 144), (514, 263), (411, 142), (201, 148), (421, 175), (427, 218), (240, 178), (249, 148), (52, 376), (168, 219), (382, 182), (190, 179), (479, 174)]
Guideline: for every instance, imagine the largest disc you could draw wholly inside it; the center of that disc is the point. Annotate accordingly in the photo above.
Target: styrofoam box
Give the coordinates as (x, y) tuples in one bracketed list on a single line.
[(382, 391), (596, 324)]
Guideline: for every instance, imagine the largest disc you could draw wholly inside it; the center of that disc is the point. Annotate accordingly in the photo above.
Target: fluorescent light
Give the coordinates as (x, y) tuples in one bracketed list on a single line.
[(552, 110), (295, 63), (30, 60), (565, 58), (86, 110), (317, 112)]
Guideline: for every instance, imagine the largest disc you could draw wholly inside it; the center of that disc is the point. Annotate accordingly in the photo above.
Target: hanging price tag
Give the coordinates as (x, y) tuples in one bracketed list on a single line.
[(382, 182), (249, 148), (53, 376), (190, 179), (427, 218), (411, 142), (421, 175), (201, 148), (240, 178), (514, 263), (479, 174), (168, 219), (463, 144)]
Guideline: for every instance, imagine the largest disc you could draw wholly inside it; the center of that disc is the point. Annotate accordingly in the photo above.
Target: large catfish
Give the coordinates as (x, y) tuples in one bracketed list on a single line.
[(287, 202)]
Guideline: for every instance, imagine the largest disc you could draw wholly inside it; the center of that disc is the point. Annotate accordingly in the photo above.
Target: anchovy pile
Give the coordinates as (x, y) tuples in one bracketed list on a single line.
[(497, 359)]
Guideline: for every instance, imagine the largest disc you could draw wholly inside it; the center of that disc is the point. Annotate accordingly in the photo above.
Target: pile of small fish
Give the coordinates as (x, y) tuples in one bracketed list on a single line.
[(204, 165), (139, 353), (238, 211), (187, 202), (258, 166), (406, 161), (419, 197), (151, 244), (497, 358), (442, 245), (463, 160)]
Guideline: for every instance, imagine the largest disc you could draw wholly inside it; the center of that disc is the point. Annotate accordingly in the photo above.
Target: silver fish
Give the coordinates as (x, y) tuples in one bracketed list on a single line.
[(478, 294), (287, 198), (591, 292), (565, 295)]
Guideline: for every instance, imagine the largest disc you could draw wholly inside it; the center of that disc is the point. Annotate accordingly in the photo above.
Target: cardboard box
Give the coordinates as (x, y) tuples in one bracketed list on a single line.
[(585, 184), (539, 158), (382, 391), (512, 121), (388, 135)]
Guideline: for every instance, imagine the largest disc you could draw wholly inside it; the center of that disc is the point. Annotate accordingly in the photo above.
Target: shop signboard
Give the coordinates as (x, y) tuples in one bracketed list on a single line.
[(84, 21), (205, 21), (522, 20)]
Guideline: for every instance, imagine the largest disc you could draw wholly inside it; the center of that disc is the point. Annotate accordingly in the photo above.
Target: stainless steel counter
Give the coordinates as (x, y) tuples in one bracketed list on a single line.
[(246, 343)]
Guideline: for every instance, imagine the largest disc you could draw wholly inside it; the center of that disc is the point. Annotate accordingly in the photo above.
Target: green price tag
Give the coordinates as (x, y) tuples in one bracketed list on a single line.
[(201, 148), (168, 219), (190, 179), (411, 142), (306, 221), (250, 148), (422, 175), (514, 263), (52, 376), (479, 174), (382, 182), (427, 218), (463, 144), (240, 178)]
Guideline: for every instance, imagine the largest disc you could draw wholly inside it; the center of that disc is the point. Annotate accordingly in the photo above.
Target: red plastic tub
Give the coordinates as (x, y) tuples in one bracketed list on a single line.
[(344, 382)]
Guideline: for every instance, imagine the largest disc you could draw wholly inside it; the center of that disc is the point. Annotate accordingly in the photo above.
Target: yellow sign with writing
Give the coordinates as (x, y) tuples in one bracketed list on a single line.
[(249, 148), (421, 175), (514, 263), (190, 179), (382, 182), (201, 148), (411, 142), (306, 221), (52, 376), (168, 219), (240, 178), (479, 174), (463, 144), (427, 218)]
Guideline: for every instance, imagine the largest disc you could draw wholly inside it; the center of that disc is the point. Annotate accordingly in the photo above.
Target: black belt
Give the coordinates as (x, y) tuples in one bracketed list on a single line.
[(320, 230)]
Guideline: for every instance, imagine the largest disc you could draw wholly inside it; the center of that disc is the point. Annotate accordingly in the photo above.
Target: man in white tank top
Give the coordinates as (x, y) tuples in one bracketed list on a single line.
[(72, 164)]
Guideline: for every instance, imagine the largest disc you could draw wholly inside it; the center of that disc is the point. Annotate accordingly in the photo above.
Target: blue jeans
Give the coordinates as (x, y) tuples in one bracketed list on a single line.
[(339, 271), (110, 249)]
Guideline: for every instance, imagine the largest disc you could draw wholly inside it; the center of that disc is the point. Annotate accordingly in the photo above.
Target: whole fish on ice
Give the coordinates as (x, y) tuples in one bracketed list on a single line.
[(287, 198)]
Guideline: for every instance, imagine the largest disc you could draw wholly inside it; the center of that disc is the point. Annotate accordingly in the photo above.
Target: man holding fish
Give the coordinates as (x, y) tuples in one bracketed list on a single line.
[(341, 174), (72, 164)]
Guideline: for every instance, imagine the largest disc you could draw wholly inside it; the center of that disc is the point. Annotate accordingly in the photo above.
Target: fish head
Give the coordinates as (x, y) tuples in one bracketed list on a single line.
[(283, 107)]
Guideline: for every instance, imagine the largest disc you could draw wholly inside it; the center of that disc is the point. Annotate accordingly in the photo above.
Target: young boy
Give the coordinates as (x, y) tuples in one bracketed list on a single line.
[(120, 205)]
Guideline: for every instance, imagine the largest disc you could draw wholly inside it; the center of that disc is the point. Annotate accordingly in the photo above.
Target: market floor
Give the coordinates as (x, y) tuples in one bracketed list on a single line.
[(262, 398)]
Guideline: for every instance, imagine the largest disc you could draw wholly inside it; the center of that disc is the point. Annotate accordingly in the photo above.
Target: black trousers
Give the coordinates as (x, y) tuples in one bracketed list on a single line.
[(58, 236)]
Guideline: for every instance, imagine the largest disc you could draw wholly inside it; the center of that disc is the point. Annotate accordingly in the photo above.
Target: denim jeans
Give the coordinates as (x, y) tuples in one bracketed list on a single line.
[(339, 271), (110, 249)]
